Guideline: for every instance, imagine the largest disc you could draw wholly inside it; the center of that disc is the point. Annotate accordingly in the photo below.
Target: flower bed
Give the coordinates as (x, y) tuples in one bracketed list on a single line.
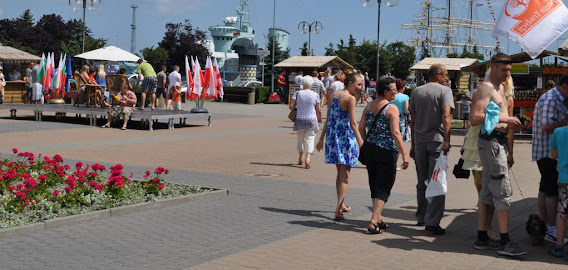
[(35, 190)]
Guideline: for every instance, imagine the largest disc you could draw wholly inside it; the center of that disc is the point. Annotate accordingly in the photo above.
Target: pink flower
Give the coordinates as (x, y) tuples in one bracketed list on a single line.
[(93, 184), (68, 188), (55, 192), (11, 187), (79, 165), (160, 187), (42, 177), (15, 150), (21, 195)]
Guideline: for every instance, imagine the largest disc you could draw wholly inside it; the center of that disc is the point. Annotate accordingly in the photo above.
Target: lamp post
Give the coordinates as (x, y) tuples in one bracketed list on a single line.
[(92, 7), (370, 3), (306, 27), (273, 45)]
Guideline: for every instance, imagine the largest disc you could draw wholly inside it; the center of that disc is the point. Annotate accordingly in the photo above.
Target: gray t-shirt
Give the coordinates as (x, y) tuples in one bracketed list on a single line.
[(35, 72), (161, 79), (426, 105), (28, 76), (318, 87)]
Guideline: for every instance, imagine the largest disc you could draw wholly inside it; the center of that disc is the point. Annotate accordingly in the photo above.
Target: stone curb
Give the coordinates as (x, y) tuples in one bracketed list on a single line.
[(121, 210)]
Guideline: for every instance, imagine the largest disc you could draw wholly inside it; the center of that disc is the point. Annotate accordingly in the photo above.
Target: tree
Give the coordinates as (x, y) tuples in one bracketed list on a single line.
[(181, 39), (403, 57), (424, 53), (279, 56), (156, 57), (304, 49), (329, 51), (453, 55), (476, 54), (27, 18)]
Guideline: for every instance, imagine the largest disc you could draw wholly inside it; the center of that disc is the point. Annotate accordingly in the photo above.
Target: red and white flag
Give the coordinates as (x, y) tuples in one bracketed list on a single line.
[(189, 78), (210, 84), (533, 24), (197, 80), (218, 76)]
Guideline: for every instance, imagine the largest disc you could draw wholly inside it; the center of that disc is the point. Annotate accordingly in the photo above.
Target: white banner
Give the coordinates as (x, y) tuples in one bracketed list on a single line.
[(533, 24)]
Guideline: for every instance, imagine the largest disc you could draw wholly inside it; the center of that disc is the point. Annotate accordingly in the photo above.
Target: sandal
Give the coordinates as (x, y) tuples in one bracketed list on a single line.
[(345, 208), (300, 161), (123, 128), (383, 225), (308, 164), (375, 230), (339, 216), (105, 126)]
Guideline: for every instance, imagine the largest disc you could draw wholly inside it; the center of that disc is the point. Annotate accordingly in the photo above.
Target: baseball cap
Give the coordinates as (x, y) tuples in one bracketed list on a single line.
[(177, 84)]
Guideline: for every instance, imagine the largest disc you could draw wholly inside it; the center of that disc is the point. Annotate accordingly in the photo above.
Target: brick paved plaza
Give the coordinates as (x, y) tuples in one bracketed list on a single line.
[(279, 222)]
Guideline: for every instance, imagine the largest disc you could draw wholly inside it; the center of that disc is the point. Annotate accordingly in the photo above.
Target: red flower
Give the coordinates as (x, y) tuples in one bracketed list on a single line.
[(55, 192), (68, 188), (93, 184), (21, 195), (11, 187), (15, 150), (79, 165), (42, 177), (57, 158), (160, 187)]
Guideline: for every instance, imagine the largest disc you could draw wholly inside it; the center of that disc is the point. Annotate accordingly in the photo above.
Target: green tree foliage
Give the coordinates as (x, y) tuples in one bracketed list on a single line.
[(156, 57), (424, 52), (279, 56), (395, 57), (27, 18), (329, 51), (453, 55), (50, 34), (403, 57), (304, 49), (181, 39)]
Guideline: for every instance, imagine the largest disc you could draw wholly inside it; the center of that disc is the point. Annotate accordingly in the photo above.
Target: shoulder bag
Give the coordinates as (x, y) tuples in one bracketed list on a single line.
[(292, 114), (367, 147)]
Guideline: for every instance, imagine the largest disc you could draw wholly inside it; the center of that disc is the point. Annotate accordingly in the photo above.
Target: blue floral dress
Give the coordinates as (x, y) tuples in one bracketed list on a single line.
[(340, 143)]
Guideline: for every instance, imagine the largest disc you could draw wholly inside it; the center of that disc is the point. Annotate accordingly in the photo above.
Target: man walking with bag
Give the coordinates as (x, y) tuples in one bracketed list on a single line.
[(496, 189), (430, 107)]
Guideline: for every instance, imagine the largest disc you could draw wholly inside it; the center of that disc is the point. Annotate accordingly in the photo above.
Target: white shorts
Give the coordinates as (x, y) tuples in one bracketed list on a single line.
[(176, 105), (37, 90)]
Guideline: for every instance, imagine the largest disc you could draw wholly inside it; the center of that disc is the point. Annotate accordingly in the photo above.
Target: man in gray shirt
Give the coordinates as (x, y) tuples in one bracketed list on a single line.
[(430, 106)]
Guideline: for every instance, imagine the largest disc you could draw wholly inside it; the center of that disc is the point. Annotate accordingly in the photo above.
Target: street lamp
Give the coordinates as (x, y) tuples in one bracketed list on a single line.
[(92, 7), (370, 3), (306, 27)]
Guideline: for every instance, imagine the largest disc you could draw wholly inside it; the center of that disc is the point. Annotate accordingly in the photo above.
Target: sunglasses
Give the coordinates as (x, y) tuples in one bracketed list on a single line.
[(505, 62)]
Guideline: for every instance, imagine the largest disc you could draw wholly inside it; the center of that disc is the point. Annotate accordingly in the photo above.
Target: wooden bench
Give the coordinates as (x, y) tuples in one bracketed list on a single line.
[(238, 94)]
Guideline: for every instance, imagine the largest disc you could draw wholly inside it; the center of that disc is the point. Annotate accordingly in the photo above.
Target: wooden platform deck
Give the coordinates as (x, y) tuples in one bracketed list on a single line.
[(146, 117)]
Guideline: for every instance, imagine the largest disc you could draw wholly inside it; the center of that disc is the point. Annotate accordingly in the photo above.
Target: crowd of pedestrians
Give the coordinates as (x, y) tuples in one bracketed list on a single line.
[(427, 116)]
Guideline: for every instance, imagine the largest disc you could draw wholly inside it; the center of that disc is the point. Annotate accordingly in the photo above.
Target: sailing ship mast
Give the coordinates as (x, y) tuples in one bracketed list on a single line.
[(448, 25)]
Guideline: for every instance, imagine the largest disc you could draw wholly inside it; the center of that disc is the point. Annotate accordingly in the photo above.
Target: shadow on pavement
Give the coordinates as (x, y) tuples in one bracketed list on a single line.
[(277, 164)]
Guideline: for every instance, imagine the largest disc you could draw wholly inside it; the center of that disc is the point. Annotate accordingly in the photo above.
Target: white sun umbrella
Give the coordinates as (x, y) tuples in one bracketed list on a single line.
[(109, 53)]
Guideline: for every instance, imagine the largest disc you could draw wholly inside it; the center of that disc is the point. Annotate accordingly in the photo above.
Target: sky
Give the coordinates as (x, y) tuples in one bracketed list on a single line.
[(340, 18)]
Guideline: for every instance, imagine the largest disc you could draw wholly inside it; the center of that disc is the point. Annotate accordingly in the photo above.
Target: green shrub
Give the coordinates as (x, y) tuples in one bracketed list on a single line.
[(261, 94)]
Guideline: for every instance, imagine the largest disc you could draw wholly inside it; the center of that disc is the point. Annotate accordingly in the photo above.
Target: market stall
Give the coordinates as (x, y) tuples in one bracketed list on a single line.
[(9, 58), (529, 80)]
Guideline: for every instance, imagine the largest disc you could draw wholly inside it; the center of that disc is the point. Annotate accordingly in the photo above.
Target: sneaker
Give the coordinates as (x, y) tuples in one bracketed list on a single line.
[(511, 249), (435, 230), (483, 245), (556, 251), (550, 237)]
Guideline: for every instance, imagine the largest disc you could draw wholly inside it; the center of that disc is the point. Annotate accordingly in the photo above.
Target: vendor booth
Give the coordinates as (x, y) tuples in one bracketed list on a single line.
[(9, 58), (529, 81), (308, 64)]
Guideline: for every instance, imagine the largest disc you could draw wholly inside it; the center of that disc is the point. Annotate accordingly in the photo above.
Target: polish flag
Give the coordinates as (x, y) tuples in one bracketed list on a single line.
[(47, 78), (533, 24), (210, 83), (218, 75), (189, 78), (197, 80)]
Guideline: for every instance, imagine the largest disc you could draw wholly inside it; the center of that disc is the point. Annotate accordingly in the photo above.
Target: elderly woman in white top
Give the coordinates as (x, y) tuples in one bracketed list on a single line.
[(307, 102)]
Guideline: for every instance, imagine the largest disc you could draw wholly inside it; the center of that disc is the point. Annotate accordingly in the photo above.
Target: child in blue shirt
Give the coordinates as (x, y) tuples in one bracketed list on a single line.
[(559, 147)]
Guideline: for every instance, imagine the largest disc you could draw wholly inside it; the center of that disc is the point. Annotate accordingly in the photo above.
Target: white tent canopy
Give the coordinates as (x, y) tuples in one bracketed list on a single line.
[(109, 53)]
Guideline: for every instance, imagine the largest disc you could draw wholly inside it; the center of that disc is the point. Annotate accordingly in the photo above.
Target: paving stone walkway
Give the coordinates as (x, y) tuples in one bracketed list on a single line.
[(279, 222)]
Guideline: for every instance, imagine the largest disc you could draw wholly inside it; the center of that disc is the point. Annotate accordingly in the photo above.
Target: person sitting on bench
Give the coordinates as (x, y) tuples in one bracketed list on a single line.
[(124, 104)]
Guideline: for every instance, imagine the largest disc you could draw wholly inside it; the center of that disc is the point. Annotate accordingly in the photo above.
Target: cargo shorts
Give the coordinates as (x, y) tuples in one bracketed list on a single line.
[(496, 186)]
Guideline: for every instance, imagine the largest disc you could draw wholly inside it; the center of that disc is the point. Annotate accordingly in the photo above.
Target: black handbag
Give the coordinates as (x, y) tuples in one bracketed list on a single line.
[(459, 172), (366, 148)]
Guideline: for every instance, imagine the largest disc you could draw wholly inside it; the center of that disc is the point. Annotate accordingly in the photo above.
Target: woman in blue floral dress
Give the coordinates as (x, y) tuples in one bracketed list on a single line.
[(342, 137), (381, 122)]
